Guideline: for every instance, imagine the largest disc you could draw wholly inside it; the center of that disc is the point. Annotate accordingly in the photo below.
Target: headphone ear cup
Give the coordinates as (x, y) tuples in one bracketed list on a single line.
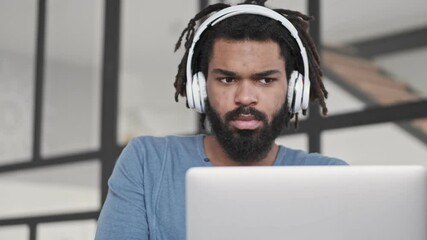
[(198, 93), (203, 93), (291, 91), (189, 92), (299, 85), (295, 92), (306, 94)]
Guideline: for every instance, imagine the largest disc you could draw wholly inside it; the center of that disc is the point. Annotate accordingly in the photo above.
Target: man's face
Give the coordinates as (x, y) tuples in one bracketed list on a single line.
[(246, 89)]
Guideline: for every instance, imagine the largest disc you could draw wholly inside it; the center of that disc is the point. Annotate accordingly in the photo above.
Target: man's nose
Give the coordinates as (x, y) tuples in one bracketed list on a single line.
[(246, 93)]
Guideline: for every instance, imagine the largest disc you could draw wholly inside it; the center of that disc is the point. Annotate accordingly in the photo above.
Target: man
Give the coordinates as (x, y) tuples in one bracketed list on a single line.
[(249, 76)]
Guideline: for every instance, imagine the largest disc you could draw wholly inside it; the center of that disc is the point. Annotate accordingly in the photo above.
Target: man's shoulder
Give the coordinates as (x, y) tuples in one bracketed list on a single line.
[(163, 141), (300, 157), (154, 151)]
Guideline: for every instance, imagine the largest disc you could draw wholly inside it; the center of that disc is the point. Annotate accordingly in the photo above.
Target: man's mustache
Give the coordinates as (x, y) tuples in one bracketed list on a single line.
[(233, 115)]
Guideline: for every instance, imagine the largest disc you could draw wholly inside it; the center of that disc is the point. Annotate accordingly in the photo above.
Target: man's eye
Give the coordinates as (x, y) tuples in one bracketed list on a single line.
[(227, 80), (266, 80)]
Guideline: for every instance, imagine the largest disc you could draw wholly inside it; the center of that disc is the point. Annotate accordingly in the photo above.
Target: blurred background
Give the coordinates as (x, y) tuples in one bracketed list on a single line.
[(80, 78)]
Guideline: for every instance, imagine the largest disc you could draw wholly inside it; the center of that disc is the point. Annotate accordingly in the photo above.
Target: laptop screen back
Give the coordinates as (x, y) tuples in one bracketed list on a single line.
[(333, 203)]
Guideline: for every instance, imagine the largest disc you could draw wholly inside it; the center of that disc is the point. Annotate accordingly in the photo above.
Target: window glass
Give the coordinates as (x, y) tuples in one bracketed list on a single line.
[(71, 110), (19, 232), (148, 67), (408, 65), (59, 189), (402, 143), (17, 53), (73, 230), (341, 27), (339, 100), (393, 76)]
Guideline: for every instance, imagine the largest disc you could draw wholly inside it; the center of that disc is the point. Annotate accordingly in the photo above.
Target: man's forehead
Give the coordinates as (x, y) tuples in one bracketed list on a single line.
[(246, 51), (242, 41), (223, 44)]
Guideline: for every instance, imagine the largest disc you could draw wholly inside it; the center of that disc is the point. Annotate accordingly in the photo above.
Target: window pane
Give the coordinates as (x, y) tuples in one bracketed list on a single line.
[(393, 76), (71, 110), (339, 100), (17, 49), (387, 81), (50, 190), (148, 67), (379, 144), (14, 232), (409, 66), (341, 27), (74, 230)]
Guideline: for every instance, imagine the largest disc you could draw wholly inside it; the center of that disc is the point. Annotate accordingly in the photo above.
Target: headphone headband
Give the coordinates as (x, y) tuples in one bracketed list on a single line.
[(246, 9)]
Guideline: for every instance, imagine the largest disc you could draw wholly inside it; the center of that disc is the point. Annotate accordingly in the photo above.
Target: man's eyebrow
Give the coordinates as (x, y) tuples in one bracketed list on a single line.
[(255, 75), (224, 72), (265, 73)]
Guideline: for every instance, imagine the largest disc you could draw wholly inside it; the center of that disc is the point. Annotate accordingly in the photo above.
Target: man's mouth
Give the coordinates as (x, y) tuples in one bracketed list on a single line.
[(246, 122)]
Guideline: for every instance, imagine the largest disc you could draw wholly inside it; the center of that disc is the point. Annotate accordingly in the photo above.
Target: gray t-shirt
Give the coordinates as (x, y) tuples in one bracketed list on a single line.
[(146, 198)]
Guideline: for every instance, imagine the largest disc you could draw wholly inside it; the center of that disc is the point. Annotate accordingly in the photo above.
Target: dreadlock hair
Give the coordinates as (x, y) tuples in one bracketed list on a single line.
[(258, 28)]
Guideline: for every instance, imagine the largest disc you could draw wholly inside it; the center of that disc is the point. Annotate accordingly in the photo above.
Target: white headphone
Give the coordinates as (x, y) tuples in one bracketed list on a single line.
[(298, 86)]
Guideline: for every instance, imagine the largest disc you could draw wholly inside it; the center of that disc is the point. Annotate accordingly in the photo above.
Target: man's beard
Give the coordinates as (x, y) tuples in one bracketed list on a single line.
[(246, 146)]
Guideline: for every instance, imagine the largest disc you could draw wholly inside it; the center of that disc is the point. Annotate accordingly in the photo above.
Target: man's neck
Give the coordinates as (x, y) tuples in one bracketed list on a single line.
[(219, 157)]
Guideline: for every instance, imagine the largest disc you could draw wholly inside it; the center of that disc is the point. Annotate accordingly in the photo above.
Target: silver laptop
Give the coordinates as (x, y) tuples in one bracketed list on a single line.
[(306, 203)]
